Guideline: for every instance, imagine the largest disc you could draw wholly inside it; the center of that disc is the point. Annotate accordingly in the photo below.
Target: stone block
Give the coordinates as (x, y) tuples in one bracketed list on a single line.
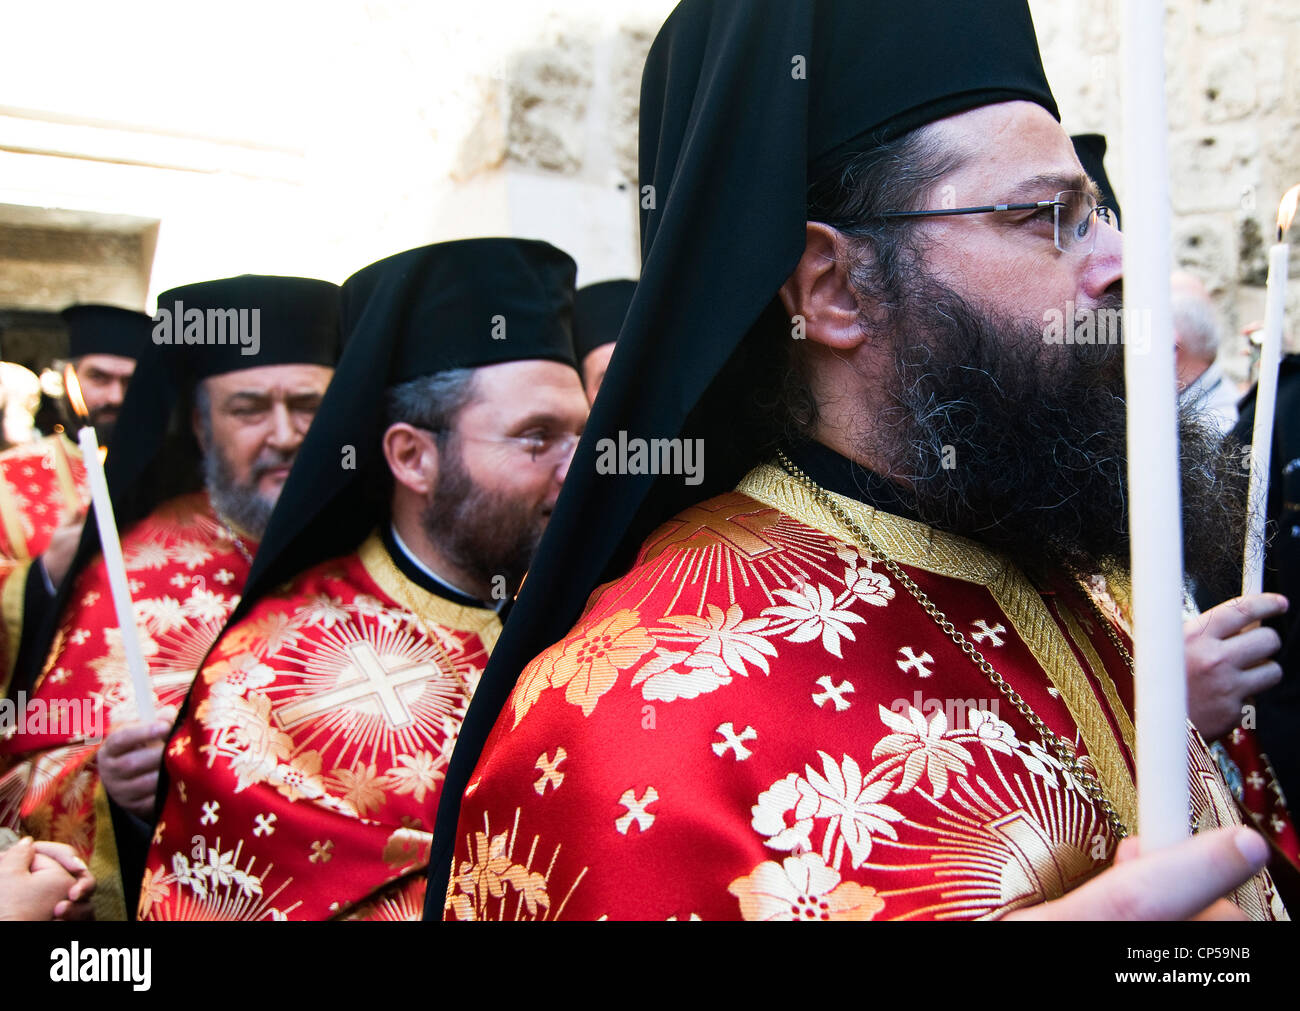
[(548, 90)]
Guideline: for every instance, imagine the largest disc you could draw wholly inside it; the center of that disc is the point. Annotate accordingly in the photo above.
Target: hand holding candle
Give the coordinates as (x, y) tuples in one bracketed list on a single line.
[(111, 547), (1270, 356)]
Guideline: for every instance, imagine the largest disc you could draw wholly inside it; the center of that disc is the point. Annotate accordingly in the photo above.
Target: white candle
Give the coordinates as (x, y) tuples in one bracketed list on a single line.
[(1155, 517), (111, 548), (1270, 357)]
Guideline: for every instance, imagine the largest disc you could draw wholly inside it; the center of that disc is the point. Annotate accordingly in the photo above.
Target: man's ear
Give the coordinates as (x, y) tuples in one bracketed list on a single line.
[(820, 294), (412, 457)]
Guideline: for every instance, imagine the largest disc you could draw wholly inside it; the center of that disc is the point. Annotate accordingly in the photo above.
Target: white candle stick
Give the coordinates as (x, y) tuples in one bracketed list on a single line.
[(111, 547), (1270, 357), (1153, 479)]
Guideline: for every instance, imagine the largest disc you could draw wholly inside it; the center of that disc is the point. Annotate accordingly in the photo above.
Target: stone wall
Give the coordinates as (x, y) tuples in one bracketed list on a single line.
[(1233, 97), (314, 146)]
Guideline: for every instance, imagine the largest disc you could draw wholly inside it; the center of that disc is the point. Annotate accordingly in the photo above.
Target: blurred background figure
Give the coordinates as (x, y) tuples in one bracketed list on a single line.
[(20, 389), (1201, 381), (205, 442), (104, 343), (597, 318)]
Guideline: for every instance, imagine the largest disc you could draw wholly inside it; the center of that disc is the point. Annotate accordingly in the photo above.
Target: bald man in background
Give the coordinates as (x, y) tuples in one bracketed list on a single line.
[(1201, 381)]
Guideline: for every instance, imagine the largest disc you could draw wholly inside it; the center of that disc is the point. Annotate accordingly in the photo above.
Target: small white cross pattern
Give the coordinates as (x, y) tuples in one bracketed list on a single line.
[(734, 742), (265, 824), (833, 692), (911, 661), (547, 767), (992, 634), (636, 809), (210, 809)]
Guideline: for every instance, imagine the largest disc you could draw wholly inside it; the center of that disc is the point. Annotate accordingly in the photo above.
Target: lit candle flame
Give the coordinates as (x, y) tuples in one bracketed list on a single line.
[(78, 402), (74, 393), (1286, 210)]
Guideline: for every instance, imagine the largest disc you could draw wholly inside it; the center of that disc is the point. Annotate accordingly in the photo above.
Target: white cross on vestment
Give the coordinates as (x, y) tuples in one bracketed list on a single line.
[(992, 634), (636, 809), (547, 767), (375, 680), (835, 692), (734, 742), (914, 662)]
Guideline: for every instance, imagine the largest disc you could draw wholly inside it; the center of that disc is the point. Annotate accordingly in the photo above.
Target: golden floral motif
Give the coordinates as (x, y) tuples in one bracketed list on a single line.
[(925, 748), (839, 795), (716, 646), (407, 847), (802, 887), (488, 876), (815, 613), (261, 636), (361, 786), (587, 664), (415, 774)]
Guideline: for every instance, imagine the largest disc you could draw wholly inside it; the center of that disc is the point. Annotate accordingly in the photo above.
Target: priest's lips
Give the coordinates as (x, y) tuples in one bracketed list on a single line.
[(103, 416), (273, 475)]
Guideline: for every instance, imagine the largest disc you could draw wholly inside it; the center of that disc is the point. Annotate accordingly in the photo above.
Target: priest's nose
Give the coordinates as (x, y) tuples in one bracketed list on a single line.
[(562, 468), (284, 434), (1104, 267)]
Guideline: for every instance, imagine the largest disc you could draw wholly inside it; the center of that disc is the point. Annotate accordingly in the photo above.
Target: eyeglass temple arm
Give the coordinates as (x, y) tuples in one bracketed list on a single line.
[(984, 209)]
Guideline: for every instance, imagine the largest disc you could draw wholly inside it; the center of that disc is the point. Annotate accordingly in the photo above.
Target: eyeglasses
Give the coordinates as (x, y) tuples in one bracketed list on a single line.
[(547, 450), (1073, 211)]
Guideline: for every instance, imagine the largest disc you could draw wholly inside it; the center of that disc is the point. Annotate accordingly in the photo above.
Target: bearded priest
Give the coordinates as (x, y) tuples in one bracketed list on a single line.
[(43, 485), (304, 774), (853, 672), (206, 438)]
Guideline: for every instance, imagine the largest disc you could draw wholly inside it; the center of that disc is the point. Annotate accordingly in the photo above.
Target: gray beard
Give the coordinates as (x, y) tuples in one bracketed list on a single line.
[(241, 504)]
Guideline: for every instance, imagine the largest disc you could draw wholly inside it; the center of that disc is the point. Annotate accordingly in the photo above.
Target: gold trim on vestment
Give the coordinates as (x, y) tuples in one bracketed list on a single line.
[(13, 597), (905, 541), (11, 517), (63, 448), (434, 609), (1102, 677), (109, 898), (924, 547)]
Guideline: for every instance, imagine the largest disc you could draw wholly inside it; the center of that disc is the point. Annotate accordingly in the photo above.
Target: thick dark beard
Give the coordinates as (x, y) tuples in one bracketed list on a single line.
[(483, 533), (103, 423), (1020, 445), (101, 419), (241, 504)]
